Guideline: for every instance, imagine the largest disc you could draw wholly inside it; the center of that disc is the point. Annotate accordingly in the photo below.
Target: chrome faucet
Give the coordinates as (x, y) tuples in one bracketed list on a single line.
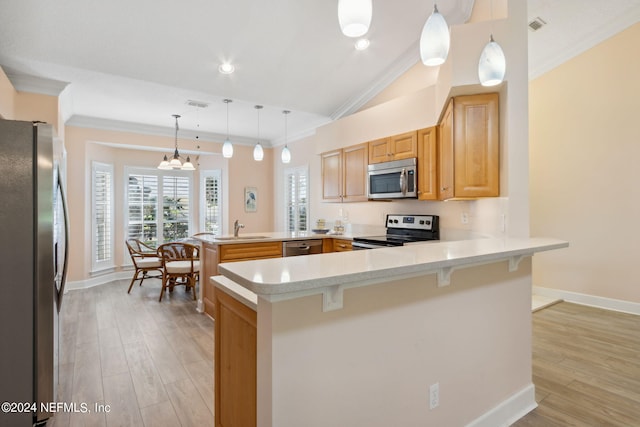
[(236, 228)]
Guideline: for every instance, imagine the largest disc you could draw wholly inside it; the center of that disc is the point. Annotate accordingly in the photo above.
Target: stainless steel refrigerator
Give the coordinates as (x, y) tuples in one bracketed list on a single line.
[(33, 261)]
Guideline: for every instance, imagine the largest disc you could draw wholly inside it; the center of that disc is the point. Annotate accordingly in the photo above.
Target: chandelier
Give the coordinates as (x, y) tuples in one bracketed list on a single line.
[(175, 162)]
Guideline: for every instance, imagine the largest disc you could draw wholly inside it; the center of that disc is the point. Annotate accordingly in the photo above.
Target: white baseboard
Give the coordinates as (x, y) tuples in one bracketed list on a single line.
[(590, 300), (510, 410), (98, 280)]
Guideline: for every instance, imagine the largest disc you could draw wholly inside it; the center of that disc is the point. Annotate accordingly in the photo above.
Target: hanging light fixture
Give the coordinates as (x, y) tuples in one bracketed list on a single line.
[(286, 154), (354, 17), (175, 162), (258, 152), (492, 64), (227, 147), (435, 39)]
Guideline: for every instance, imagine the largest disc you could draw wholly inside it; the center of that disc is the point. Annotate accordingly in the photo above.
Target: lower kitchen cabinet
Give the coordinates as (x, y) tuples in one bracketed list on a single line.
[(214, 253), (235, 359), (341, 245)]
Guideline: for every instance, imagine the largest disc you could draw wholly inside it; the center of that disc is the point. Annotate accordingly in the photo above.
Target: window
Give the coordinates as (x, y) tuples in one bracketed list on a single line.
[(158, 206), (296, 199), (102, 216), (211, 191)]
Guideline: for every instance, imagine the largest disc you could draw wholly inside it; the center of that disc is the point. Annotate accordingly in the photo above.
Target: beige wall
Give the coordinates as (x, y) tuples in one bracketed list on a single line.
[(585, 178), (32, 106), (7, 97), (85, 146), (371, 363)]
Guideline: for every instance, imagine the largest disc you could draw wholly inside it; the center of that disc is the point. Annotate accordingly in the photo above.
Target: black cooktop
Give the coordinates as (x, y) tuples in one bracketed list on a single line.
[(403, 229)]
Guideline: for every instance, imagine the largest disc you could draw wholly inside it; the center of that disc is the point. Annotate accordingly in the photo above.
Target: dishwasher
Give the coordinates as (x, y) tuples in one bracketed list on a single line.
[(302, 247)]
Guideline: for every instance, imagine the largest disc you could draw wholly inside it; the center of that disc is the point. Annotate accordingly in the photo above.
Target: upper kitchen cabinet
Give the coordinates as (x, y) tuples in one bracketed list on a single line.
[(397, 147), (344, 174), (427, 164), (469, 148)]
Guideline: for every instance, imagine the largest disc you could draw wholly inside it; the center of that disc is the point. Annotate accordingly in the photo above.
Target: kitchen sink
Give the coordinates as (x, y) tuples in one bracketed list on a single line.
[(242, 238)]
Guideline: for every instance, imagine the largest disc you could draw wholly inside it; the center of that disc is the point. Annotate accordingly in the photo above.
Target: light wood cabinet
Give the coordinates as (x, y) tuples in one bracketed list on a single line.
[(214, 254), (336, 245), (469, 148), (397, 147), (342, 245), (344, 174), (235, 363), (428, 164)]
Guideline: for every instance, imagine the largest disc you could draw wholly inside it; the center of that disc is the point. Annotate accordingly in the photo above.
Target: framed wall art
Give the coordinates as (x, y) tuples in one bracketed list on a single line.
[(250, 199)]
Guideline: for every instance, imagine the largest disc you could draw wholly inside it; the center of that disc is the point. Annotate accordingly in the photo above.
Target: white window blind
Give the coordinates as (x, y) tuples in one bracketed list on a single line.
[(296, 199), (211, 191), (158, 205), (102, 216)]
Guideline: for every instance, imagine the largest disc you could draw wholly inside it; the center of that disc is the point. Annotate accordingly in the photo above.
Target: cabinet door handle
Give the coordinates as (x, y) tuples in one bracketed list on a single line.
[(444, 188), (342, 246)]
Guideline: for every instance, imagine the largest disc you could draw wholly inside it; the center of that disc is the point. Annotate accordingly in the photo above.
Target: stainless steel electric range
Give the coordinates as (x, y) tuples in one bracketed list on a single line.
[(401, 230)]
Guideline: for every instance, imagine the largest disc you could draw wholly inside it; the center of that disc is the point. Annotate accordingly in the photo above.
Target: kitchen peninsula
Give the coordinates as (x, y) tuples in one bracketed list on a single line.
[(426, 334)]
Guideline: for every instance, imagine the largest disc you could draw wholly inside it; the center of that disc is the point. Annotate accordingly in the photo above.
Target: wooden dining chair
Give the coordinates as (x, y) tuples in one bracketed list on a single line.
[(180, 266), (145, 259)]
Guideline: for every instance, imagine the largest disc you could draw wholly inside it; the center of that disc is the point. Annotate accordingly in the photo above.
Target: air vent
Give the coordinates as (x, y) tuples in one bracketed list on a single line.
[(197, 104), (537, 23)]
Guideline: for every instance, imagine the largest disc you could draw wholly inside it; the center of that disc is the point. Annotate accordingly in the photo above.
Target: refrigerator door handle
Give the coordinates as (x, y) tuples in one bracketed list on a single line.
[(65, 261)]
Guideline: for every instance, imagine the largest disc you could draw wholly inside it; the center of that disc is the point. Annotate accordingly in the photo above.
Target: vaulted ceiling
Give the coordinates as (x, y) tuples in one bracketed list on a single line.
[(132, 64)]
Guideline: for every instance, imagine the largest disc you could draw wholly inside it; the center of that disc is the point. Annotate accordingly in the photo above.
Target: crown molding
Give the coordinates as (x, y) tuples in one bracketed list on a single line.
[(33, 84), (407, 60), (605, 31), (145, 129)]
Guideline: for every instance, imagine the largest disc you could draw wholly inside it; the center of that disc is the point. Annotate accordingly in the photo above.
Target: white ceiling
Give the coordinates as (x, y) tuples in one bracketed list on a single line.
[(132, 64)]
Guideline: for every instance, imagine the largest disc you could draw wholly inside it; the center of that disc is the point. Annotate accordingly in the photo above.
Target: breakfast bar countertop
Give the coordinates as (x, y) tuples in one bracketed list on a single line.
[(284, 278)]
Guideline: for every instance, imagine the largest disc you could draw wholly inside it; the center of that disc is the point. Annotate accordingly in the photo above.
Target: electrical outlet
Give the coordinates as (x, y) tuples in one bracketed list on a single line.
[(434, 395), (464, 218)]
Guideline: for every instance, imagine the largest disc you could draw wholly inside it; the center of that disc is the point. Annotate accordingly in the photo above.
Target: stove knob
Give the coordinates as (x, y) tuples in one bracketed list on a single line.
[(421, 222), (395, 221)]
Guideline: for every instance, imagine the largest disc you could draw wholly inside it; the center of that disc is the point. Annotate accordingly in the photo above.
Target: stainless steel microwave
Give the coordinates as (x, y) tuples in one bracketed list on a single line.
[(393, 180)]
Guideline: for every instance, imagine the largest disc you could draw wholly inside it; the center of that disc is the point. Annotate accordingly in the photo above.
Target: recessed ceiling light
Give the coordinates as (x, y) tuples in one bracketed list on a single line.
[(362, 44), (226, 68)]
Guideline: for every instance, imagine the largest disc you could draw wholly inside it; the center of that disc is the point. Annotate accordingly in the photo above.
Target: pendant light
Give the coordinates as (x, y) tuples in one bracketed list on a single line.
[(175, 162), (435, 39), (286, 154), (258, 152), (492, 64), (227, 147), (354, 17)]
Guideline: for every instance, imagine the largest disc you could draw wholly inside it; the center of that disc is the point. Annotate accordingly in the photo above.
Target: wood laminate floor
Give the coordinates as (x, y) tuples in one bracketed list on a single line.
[(151, 362), (586, 367)]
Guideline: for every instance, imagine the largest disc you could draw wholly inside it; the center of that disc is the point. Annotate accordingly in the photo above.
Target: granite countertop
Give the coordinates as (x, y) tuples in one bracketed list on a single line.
[(283, 278)]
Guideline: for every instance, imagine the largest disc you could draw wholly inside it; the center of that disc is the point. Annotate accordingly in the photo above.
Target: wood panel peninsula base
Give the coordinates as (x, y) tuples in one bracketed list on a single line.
[(398, 329)]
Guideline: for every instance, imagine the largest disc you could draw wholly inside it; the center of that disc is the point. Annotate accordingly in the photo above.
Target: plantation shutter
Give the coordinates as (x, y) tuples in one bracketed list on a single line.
[(102, 216)]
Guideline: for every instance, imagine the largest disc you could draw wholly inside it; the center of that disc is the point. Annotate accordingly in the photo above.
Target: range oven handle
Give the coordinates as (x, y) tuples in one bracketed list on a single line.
[(362, 245)]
